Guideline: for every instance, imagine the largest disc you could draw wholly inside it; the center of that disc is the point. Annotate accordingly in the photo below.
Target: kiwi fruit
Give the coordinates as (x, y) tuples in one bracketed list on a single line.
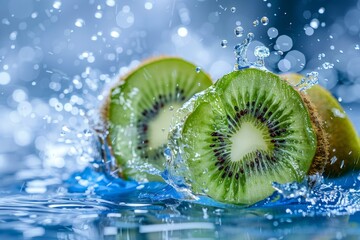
[(248, 130), (139, 109), (343, 139)]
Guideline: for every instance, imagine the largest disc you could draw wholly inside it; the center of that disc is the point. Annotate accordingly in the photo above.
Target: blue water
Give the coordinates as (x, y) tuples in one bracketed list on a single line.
[(93, 205)]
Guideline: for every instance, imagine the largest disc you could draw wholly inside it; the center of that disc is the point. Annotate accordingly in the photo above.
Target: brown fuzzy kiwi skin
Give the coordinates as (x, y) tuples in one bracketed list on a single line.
[(321, 158), (105, 108), (344, 144)]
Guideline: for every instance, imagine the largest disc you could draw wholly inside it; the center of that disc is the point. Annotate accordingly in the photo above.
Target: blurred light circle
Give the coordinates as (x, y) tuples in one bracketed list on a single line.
[(20, 9), (23, 137), (284, 65), (348, 93), (284, 43), (297, 60), (353, 68), (19, 95), (125, 18), (351, 20), (182, 32), (4, 78), (148, 5), (309, 30), (26, 54), (110, 3)]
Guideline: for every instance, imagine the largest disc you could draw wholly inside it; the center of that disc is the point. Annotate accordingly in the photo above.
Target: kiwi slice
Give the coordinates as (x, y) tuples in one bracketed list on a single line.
[(344, 154), (139, 111), (247, 131)]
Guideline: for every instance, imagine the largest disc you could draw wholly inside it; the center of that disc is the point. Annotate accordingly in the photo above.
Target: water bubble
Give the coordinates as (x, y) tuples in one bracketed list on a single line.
[(272, 32), (255, 23), (79, 22), (239, 31), (198, 69), (224, 43), (264, 21), (233, 9)]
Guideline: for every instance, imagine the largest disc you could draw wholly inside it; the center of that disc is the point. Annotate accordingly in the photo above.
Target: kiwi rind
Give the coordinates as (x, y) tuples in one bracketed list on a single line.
[(200, 110), (175, 67), (344, 144)]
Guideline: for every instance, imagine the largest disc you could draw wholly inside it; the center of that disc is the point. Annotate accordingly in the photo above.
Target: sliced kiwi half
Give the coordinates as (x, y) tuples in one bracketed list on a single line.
[(247, 131), (139, 110), (344, 144)]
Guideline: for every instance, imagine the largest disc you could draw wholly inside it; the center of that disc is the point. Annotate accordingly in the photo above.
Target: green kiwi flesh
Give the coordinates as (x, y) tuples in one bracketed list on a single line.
[(253, 129), (140, 109)]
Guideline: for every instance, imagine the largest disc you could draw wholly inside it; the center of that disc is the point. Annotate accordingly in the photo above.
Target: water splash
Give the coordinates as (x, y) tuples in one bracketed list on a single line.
[(241, 50), (310, 80)]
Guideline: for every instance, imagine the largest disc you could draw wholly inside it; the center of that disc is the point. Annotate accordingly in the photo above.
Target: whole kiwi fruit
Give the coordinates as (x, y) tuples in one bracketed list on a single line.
[(344, 144)]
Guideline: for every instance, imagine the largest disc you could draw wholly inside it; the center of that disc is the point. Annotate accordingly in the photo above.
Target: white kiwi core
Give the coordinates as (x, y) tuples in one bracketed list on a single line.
[(159, 126), (248, 139)]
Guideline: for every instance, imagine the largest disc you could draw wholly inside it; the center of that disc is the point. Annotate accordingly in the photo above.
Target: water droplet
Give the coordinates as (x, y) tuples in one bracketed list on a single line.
[(79, 22), (327, 65), (357, 47), (261, 51), (233, 9), (239, 31), (333, 160), (321, 55), (264, 21), (309, 81), (115, 34), (224, 43), (57, 4), (198, 69), (255, 23), (340, 99)]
